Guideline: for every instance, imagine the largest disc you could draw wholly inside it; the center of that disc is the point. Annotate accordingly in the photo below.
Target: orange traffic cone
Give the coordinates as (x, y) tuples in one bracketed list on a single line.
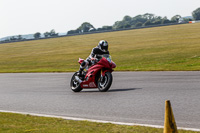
[(170, 124)]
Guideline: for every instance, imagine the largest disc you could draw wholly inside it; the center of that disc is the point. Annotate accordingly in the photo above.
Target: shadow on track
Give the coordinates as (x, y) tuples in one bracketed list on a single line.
[(128, 89), (111, 90)]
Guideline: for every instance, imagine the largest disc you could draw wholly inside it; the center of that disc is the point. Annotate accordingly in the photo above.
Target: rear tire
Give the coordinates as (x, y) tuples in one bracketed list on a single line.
[(104, 84), (75, 86)]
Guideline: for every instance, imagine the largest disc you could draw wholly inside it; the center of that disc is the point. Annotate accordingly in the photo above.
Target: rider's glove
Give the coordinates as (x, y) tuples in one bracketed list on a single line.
[(93, 60)]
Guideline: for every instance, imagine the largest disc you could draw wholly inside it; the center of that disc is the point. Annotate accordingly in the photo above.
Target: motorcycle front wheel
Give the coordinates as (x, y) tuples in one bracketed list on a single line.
[(105, 82), (75, 86)]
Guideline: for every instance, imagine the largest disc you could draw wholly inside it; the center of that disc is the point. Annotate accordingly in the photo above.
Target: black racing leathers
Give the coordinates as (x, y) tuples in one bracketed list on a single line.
[(96, 53)]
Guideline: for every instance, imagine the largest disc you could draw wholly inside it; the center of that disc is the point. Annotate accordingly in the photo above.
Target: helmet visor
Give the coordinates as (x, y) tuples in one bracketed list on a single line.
[(104, 48)]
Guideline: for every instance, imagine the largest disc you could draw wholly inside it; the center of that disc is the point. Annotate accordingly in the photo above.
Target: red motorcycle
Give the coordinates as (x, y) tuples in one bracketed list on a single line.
[(98, 75)]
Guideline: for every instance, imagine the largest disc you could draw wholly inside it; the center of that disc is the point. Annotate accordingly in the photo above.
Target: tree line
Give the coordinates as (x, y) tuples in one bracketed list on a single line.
[(144, 20), (127, 22), (37, 35)]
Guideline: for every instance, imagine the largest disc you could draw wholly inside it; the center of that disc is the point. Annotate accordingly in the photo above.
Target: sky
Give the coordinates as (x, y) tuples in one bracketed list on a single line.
[(19, 17)]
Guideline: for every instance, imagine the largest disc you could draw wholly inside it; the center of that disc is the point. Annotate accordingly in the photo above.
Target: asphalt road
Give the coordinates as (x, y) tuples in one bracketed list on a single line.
[(134, 97)]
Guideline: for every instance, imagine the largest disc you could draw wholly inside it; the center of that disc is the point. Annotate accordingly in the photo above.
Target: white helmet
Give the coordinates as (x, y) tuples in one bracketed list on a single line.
[(103, 45)]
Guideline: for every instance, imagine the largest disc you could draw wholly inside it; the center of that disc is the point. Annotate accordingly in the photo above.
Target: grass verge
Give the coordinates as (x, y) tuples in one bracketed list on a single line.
[(17, 123), (168, 48)]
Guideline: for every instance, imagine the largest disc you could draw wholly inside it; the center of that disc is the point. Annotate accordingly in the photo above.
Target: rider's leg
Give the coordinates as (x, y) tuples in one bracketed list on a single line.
[(83, 65)]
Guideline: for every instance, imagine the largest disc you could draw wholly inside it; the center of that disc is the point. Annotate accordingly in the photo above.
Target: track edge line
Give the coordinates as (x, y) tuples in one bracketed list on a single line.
[(92, 120)]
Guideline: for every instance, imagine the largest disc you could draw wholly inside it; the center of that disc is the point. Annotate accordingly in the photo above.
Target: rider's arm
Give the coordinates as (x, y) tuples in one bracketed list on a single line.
[(98, 53)]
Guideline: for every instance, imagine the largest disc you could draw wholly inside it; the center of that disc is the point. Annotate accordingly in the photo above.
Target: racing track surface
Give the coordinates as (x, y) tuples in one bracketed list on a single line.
[(134, 97)]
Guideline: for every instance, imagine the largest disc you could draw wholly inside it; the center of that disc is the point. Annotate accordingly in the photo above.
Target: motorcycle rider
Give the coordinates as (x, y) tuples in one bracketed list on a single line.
[(100, 49)]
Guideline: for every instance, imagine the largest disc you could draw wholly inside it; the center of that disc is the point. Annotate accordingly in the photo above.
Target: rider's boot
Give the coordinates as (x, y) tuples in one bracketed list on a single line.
[(82, 67), (80, 73)]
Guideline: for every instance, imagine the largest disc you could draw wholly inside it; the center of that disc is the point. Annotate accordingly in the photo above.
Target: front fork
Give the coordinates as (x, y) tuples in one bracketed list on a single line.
[(103, 72)]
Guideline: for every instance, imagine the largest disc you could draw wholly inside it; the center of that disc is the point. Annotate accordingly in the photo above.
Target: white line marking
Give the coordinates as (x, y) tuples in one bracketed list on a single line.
[(92, 120)]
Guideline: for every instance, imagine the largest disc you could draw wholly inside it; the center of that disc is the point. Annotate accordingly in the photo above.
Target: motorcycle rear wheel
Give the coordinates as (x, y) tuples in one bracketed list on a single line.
[(75, 86), (105, 82)]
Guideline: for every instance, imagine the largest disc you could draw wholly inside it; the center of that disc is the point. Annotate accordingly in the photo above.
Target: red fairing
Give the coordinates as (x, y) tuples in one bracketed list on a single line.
[(80, 60), (104, 65), (89, 81), (113, 65)]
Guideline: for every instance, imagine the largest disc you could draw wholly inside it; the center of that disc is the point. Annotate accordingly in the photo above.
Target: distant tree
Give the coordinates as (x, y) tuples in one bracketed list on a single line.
[(107, 27), (175, 18), (52, 33), (19, 37), (37, 35), (127, 18), (187, 20), (196, 14), (143, 19), (127, 25), (147, 23), (165, 20), (73, 32), (118, 25), (139, 24), (85, 27), (148, 16), (138, 18), (7, 40), (156, 20), (99, 29), (13, 38), (46, 34)]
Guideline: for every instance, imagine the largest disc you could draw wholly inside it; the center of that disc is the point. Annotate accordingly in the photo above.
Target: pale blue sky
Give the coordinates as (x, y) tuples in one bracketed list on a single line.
[(31, 16)]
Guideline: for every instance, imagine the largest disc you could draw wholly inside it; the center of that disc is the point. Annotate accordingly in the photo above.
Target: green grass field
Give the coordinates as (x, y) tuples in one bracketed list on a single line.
[(168, 48), (16, 123)]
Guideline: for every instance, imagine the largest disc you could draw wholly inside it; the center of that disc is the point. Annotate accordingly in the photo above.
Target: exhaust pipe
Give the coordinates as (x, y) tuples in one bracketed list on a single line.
[(77, 79)]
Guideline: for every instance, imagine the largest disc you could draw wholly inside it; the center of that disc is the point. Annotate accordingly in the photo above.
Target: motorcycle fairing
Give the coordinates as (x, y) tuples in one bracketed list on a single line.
[(80, 60), (89, 81)]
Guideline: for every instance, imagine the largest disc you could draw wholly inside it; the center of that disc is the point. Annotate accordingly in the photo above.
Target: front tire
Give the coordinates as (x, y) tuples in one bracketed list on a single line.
[(75, 86), (105, 82)]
